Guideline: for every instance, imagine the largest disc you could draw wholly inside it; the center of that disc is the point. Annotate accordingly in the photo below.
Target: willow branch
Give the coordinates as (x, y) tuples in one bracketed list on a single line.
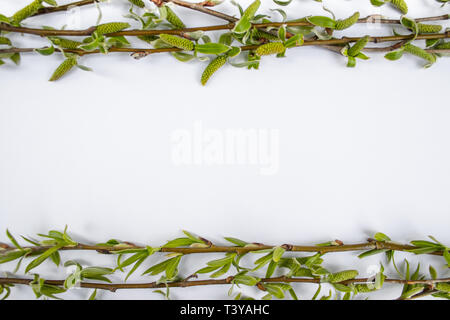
[(65, 7), (229, 26), (372, 19), (198, 7), (370, 245), (323, 43), (211, 282)]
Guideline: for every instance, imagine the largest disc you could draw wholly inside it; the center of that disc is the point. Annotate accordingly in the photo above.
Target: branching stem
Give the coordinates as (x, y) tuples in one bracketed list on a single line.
[(211, 282)]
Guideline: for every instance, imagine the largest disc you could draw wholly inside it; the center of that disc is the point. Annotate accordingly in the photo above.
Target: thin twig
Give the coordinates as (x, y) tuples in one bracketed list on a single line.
[(210, 282), (371, 245)]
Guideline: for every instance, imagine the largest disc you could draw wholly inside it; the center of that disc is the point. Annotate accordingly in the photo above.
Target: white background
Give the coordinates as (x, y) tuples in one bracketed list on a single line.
[(361, 150)]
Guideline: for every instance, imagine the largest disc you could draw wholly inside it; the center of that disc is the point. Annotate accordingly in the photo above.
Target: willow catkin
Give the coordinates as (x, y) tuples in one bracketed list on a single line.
[(111, 27), (358, 46), (27, 11), (400, 5), (63, 68), (213, 66), (445, 45), (138, 3), (445, 287), (177, 42), (364, 288), (270, 48), (65, 43), (342, 276), (347, 23), (428, 28), (419, 52), (173, 19), (261, 34)]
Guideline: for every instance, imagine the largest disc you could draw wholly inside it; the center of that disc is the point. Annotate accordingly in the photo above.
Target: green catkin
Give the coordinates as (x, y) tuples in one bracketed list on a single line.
[(138, 3), (445, 287), (260, 34), (270, 48), (419, 52), (429, 28), (27, 11), (173, 19), (63, 68), (343, 276), (347, 23), (177, 42), (111, 27), (445, 45), (364, 288), (65, 43), (358, 46), (400, 5), (214, 65)]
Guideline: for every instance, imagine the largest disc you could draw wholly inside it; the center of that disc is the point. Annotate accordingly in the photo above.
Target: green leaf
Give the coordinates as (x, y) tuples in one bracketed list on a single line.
[(278, 253), (93, 295), (322, 21), (371, 253), (412, 292), (237, 242), (44, 256), (12, 255), (172, 267), (433, 273), (275, 290), (180, 242), (212, 48), (13, 240), (47, 51), (246, 280), (381, 237)]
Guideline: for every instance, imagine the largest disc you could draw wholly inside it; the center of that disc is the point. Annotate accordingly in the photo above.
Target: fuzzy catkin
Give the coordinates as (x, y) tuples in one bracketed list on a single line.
[(213, 66), (177, 42), (445, 287), (173, 19), (27, 11), (400, 5), (63, 68), (343, 276), (445, 45), (138, 3), (419, 52), (111, 27), (347, 23), (260, 34), (65, 43), (358, 46), (364, 288), (428, 28), (270, 48)]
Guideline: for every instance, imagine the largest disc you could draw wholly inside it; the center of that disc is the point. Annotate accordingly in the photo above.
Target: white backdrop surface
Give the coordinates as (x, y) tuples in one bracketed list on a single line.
[(360, 150)]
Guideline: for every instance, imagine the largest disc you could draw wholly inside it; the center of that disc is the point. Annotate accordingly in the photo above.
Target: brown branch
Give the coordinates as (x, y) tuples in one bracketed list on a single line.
[(210, 282), (201, 7), (323, 43), (198, 7), (65, 7), (89, 31), (370, 245)]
